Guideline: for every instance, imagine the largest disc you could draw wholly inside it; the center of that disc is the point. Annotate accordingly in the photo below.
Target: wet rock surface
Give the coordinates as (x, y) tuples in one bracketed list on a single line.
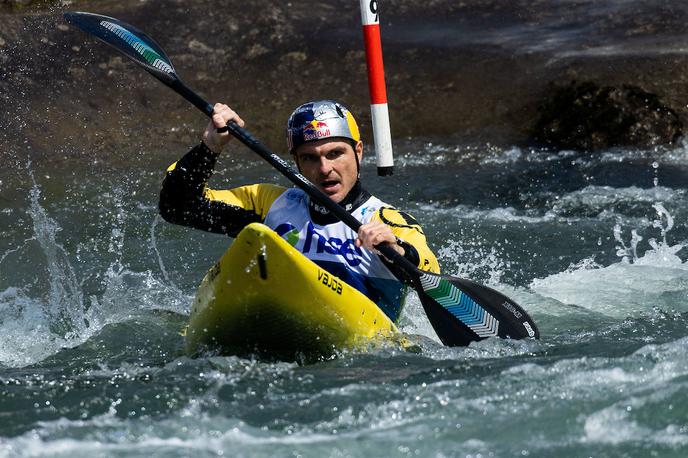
[(586, 116), (478, 70)]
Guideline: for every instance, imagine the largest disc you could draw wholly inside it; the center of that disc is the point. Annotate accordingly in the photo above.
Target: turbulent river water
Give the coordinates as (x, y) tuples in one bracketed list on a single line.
[(95, 291)]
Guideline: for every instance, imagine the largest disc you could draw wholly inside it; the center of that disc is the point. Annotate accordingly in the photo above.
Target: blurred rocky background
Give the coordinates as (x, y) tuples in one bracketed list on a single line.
[(568, 74)]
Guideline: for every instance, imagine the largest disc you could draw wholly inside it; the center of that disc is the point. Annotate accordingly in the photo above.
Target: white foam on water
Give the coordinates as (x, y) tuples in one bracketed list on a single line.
[(617, 290), (597, 400), (591, 202), (413, 319), (192, 429), (436, 153), (55, 321), (677, 156), (625, 421), (500, 214), (638, 282), (183, 433), (613, 426), (430, 153), (648, 368), (628, 400), (36, 327), (26, 330), (600, 199)]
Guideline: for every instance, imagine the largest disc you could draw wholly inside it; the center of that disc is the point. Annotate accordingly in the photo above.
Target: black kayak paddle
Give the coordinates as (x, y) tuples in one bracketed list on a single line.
[(460, 311)]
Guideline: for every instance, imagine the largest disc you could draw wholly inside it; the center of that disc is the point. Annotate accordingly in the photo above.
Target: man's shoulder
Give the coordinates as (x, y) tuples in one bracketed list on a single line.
[(394, 217), (269, 187), (258, 197), (263, 190), (388, 214)]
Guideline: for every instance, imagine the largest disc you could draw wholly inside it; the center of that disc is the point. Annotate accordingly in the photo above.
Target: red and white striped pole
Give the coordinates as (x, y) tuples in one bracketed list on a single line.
[(376, 83)]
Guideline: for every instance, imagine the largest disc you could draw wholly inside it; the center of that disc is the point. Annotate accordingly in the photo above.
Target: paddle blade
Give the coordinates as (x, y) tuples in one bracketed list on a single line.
[(462, 311), (129, 40)]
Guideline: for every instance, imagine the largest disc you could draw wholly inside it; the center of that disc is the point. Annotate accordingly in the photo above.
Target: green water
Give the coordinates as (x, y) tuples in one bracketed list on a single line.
[(95, 289)]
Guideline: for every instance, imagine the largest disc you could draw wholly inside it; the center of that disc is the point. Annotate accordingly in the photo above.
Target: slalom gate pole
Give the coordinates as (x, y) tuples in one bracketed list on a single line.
[(370, 19)]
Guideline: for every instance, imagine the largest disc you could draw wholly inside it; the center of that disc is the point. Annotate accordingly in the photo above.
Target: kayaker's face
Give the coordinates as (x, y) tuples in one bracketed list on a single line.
[(330, 165)]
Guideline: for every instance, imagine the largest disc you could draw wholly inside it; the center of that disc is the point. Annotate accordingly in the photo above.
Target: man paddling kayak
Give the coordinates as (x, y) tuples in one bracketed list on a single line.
[(324, 139)]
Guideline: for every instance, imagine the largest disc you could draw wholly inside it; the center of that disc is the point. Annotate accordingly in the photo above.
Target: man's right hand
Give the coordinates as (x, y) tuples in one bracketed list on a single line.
[(222, 115)]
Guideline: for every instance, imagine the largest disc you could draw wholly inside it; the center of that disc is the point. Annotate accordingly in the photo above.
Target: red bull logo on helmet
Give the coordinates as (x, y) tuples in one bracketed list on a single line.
[(318, 120), (316, 130)]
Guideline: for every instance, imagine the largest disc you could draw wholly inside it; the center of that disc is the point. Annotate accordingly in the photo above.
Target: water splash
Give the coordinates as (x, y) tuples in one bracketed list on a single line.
[(473, 260), (657, 279), (661, 252), (466, 260), (154, 245), (624, 252), (38, 324), (33, 327), (413, 319)]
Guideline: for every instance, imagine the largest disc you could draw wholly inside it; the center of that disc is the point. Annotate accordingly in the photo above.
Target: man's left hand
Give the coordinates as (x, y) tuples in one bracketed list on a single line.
[(376, 233)]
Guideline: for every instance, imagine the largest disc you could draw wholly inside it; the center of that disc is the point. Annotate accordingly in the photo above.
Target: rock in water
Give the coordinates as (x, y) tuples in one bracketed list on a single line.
[(585, 116)]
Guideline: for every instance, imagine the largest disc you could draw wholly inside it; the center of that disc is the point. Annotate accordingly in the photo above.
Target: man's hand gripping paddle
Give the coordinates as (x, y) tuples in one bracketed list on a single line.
[(461, 311)]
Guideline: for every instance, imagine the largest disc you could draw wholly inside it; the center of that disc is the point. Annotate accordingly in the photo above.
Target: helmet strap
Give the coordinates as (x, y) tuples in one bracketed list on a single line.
[(358, 165)]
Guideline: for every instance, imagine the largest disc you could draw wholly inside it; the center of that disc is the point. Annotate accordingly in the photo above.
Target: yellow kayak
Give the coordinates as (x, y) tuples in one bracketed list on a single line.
[(264, 297)]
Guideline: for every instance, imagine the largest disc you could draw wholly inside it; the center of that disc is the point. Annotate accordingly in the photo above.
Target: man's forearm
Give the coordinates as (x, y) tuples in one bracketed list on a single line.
[(183, 200)]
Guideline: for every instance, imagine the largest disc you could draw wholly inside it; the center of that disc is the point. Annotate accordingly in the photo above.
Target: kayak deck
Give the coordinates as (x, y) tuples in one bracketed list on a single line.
[(263, 297)]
